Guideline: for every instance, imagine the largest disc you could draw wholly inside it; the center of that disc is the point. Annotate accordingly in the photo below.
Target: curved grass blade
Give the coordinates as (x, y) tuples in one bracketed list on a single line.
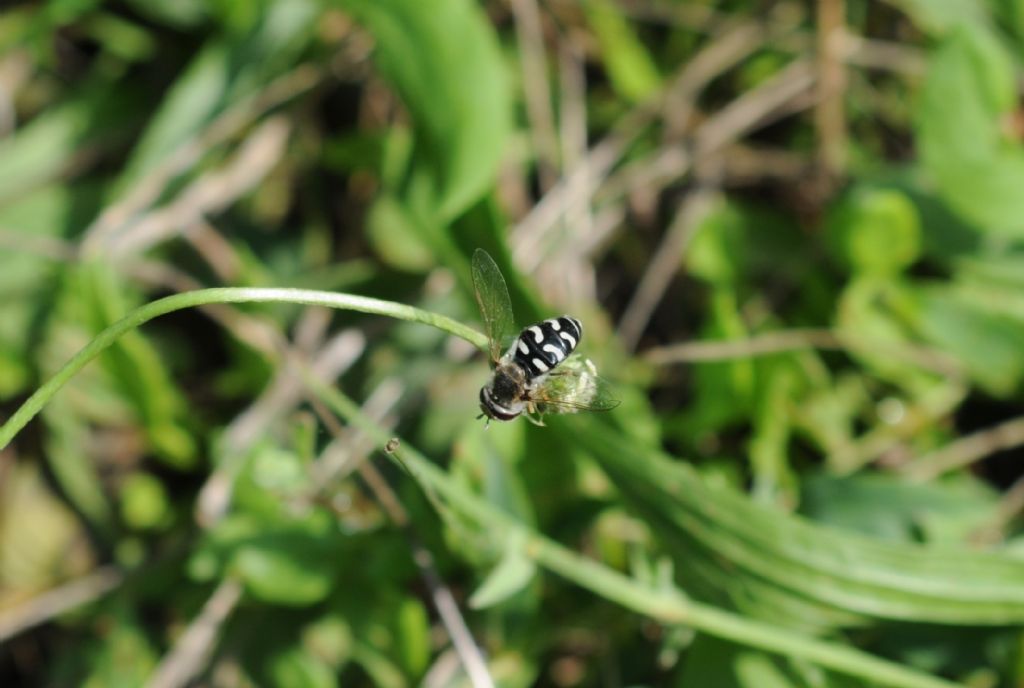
[(850, 579), (202, 297)]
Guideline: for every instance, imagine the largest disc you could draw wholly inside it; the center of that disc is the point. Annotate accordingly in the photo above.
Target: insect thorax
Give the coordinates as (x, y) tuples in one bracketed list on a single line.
[(541, 347), (504, 396), (509, 382)]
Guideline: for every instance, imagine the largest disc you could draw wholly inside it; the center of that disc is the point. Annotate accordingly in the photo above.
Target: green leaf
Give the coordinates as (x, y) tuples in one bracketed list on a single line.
[(892, 509), (456, 89), (282, 561), (27, 279), (713, 662), (42, 148), (177, 13), (136, 367), (513, 573), (288, 564), (989, 344), (942, 16), (718, 251), (128, 41), (1012, 12), (382, 671), (297, 668), (771, 563), (728, 387), (210, 557), (969, 91), (1002, 271), (42, 541), (876, 231), (622, 458), (396, 236), (330, 638), (190, 102), (631, 70), (72, 467), (144, 502), (278, 473), (413, 636), (881, 310), (493, 454), (772, 427), (124, 659)]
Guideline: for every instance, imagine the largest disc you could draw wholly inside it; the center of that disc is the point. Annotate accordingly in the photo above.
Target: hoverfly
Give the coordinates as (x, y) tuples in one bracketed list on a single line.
[(538, 372)]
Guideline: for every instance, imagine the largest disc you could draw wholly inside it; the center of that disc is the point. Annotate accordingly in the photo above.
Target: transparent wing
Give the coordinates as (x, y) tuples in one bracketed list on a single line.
[(495, 306), (574, 387)]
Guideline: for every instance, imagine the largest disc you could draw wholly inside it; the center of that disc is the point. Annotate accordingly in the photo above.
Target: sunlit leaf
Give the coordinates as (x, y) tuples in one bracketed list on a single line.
[(289, 567), (301, 669), (631, 69), (969, 91), (876, 231), (514, 571), (463, 127), (144, 502), (943, 16)]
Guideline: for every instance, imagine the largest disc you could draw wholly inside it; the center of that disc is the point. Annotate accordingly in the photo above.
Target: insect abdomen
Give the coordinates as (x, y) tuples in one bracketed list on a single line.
[(543, 346)]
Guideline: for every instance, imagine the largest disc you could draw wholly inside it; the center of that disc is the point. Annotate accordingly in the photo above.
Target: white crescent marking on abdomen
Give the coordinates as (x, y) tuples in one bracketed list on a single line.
[(559, 355)]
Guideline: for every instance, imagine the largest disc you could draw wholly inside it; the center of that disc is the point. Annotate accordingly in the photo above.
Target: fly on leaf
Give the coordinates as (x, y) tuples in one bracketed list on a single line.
[(537, 372)]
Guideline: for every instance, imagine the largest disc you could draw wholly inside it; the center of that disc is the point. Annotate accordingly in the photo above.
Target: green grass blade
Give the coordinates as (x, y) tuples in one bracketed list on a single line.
[(104, 339), (668, 606)]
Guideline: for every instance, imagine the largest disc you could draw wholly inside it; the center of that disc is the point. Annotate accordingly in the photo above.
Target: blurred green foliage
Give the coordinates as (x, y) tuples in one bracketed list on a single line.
[(832, 484)]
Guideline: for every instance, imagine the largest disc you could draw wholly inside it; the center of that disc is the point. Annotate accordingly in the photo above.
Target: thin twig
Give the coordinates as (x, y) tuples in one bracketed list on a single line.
[(856, 51), (795, 340), (725, 51), (344, 455), (582, 180), (760, 345), (190, 653), (739, 116), (722, 53), (884, 443), (218, 253), (536, 89), (883, 55), (53, 248), (754, 107), (966, 450), (240, 115), (694, 208), (444, 601), (829, 112), (743, 165), (995, 529), (57, 601), (572, 271), (210, 193), (282, 394)]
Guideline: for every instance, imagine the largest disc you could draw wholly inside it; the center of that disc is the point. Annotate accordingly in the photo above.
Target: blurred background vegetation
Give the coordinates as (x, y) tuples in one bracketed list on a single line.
[(794, 232)]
